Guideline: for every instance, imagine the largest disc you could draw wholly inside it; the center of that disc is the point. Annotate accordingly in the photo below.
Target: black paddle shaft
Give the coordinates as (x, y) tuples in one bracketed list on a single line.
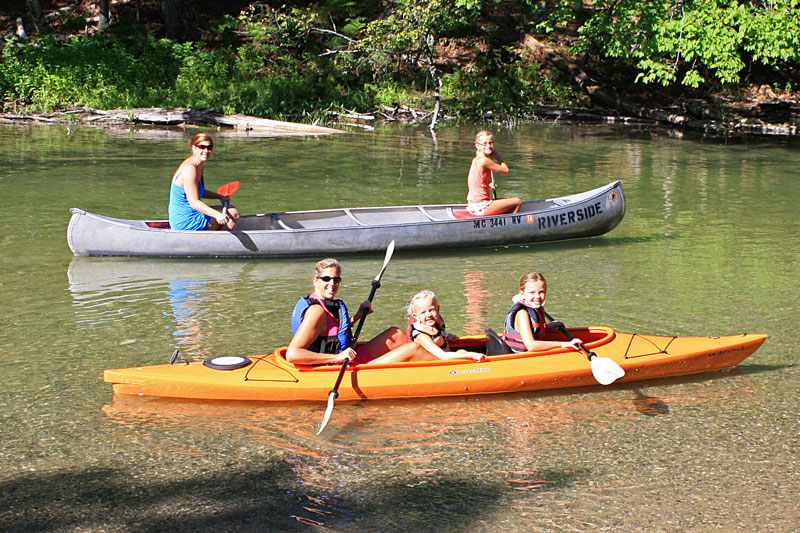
[(376, 283), (566, 332)]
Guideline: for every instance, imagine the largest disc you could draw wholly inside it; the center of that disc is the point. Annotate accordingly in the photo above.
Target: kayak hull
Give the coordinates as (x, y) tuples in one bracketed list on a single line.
[(271, 378), (364, 229)]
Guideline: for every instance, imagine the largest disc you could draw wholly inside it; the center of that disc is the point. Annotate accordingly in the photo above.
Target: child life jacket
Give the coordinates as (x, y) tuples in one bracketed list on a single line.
[(337, 336), (412, 332), (513, 337)]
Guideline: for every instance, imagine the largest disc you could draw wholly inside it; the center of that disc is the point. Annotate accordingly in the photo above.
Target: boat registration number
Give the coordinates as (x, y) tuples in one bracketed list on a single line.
[(496, 222)]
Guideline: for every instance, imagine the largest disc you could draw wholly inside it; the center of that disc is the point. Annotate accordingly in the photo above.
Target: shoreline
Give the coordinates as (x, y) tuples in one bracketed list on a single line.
[(757, 119)]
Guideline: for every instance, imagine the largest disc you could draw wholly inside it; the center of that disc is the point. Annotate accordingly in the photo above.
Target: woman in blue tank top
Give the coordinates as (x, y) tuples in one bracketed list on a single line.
[(186, 209)]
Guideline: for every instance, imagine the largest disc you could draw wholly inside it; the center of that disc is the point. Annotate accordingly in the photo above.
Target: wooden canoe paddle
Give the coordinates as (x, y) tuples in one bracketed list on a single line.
[(334, 393), (606, 371)]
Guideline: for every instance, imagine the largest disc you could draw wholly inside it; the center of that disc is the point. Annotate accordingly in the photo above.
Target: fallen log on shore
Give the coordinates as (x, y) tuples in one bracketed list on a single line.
[(170, 117)]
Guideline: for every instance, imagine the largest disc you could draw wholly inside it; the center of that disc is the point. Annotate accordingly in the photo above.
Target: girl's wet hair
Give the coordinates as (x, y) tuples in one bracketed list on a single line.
[(421, 296), (201, 137), (531, 276), (325, 264), (482, 133)]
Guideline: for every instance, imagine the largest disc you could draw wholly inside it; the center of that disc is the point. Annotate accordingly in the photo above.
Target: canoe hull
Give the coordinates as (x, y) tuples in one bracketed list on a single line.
[(271, 378), (354, 230)]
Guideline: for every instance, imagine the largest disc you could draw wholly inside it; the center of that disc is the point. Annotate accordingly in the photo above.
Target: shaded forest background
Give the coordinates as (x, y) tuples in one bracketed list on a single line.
[(706, 64)]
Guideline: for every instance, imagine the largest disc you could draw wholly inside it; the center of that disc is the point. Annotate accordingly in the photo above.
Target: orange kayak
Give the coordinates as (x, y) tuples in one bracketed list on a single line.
[(271, 378)]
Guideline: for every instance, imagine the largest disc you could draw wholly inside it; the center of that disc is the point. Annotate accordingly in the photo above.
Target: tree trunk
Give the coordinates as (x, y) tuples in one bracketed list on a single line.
[(105, 15), (169, 8), (436, 96), (21, 30), (35, 10)]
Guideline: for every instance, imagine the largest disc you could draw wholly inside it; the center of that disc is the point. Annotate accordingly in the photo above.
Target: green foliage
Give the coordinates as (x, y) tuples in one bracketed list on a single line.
[(694, 43), (305, 58), (411, 30), (203, 77), (772, 34), (513, 90), (546, 18), (95, 72)]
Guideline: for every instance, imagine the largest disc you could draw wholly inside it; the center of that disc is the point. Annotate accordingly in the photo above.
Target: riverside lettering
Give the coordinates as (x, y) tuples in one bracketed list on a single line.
[(570, 217)]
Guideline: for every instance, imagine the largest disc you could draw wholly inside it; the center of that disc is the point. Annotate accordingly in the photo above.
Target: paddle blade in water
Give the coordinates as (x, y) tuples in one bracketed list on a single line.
[(605, 370), (328, 411), (229, 188)]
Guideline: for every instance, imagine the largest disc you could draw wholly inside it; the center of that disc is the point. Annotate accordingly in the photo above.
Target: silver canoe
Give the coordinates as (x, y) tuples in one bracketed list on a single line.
[(360, 229)]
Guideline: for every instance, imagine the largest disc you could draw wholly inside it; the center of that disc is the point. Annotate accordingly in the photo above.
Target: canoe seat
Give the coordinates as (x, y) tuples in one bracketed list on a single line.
[(159, 224), (461, 214), (494, 344)]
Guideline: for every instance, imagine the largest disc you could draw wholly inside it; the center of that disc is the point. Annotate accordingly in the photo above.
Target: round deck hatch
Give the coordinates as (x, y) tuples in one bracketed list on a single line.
[(227, 362)]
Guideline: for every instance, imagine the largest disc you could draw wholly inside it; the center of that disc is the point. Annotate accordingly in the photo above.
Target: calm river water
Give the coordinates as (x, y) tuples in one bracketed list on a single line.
[(708, 246)]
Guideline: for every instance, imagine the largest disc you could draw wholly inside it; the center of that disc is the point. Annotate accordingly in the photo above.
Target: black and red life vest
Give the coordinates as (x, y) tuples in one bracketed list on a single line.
[(538, 325)]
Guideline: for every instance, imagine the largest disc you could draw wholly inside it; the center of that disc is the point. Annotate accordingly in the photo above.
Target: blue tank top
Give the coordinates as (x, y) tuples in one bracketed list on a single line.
[(181, 214)]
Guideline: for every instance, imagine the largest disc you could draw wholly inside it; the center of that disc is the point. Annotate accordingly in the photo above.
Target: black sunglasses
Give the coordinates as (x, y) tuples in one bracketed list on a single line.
[(205, 147), (326, 279)]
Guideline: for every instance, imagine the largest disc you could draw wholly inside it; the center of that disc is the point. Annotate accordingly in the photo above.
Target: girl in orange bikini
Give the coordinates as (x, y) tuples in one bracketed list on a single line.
[(480, 183)]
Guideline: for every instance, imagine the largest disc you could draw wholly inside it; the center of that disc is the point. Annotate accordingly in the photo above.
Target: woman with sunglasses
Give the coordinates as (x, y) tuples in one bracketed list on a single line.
[(186, 209), (322, 334)]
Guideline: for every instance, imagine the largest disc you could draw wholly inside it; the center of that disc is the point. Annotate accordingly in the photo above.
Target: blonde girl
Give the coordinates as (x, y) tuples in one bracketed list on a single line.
[(480, 180), (426, 328)]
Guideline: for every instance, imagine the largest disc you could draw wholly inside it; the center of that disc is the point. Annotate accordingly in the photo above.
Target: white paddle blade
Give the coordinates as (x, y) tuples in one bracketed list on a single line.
[(605, 370), (386, 259), (328, 412)]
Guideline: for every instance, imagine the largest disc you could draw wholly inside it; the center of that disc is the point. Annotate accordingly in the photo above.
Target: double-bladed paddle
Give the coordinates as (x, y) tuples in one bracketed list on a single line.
[(334, 393), (227, 190), (606, 371)]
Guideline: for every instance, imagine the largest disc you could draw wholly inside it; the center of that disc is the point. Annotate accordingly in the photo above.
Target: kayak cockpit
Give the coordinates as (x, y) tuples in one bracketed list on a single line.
[(593, 337)]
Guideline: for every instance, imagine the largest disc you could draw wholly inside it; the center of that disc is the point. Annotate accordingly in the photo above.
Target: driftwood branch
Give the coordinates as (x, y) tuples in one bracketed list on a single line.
[(337, 34)]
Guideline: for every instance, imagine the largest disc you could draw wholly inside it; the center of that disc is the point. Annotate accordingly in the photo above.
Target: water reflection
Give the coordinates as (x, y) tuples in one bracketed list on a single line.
[(188, 300), (521, 446), (475, 293), (198, 302), (419, 431)]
